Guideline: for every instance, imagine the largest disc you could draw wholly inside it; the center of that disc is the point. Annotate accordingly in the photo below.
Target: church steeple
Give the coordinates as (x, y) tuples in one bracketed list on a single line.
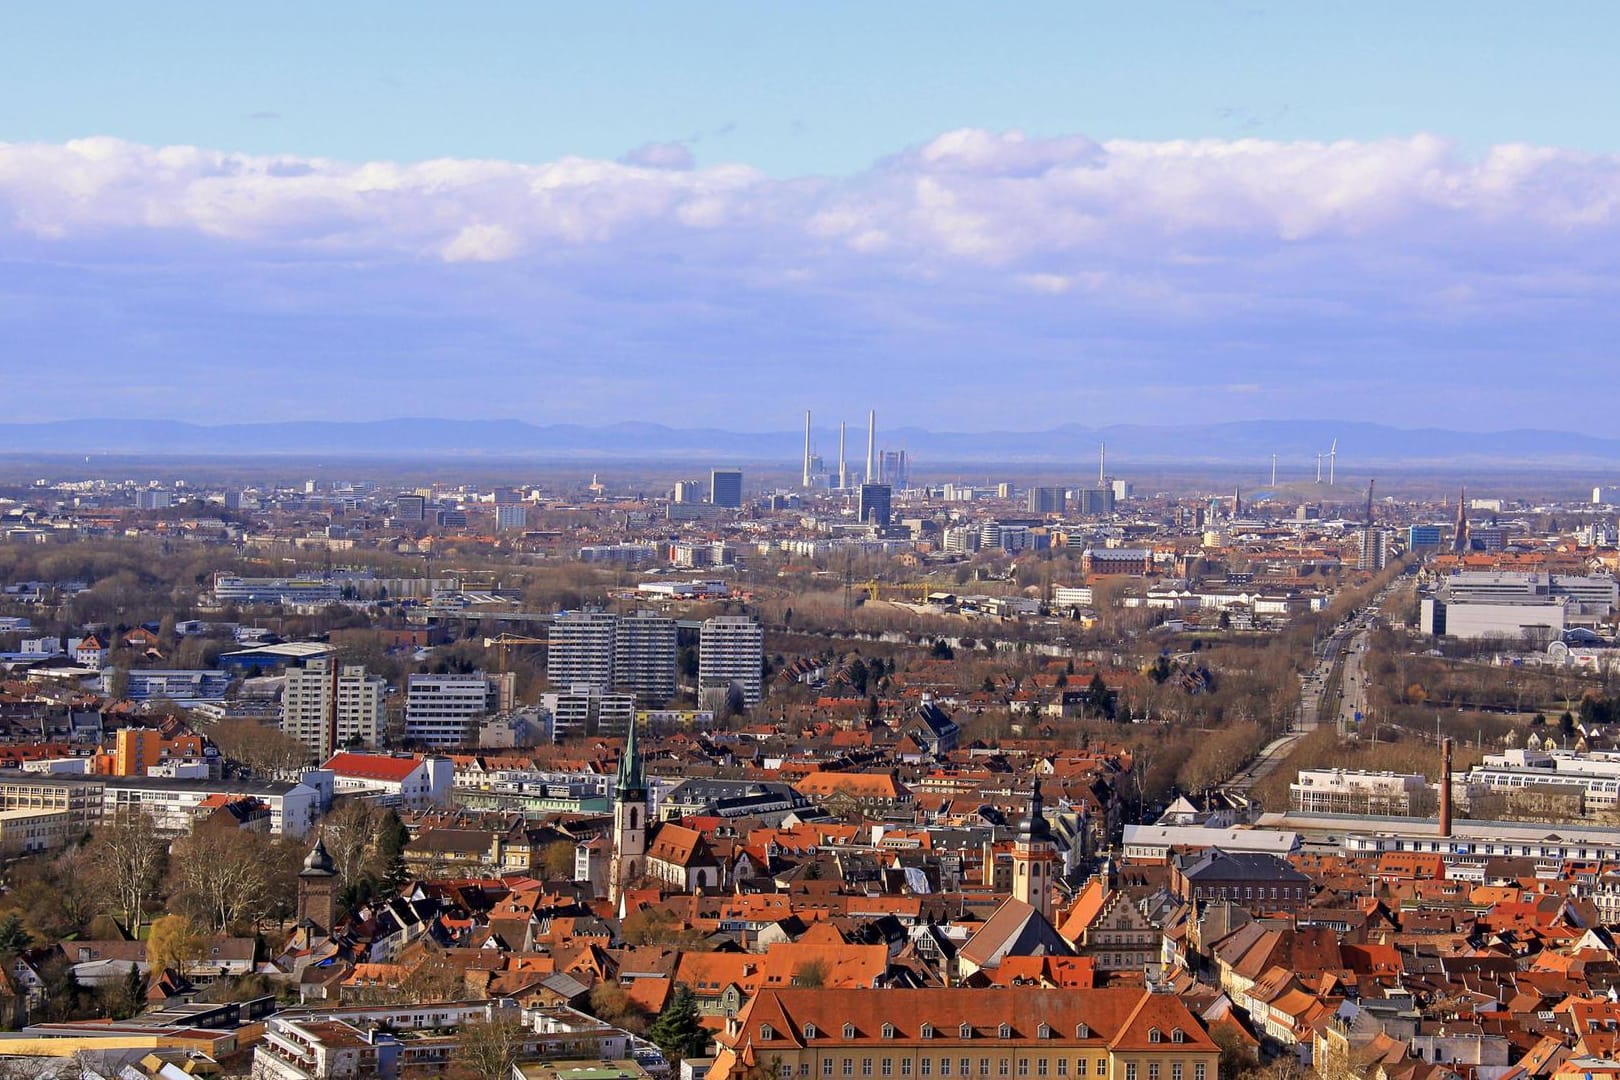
[(631, 778), (1035, 856), (629, 819)]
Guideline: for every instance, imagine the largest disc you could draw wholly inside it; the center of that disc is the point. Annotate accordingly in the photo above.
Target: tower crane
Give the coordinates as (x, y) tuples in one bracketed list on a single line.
[(505, 641)]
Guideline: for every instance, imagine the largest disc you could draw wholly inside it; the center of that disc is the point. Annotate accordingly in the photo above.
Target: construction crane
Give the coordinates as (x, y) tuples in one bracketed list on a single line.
[(506, 641), (909, 590)]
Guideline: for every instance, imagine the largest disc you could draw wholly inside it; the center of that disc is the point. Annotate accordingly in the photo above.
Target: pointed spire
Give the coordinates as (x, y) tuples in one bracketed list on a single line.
[(632, 782)]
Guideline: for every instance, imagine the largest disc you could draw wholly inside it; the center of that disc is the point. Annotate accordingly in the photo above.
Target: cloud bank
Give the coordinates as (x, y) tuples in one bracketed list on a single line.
[(978, 273)]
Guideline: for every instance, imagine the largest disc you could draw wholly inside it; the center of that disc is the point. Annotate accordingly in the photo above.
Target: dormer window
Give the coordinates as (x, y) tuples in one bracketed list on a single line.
[(1004, 1031), (888, 1031), (1154, 1036), (809, 1031), (849, 1031), (766, 1033), (965, 1031), (1044, 1031), (1082, 1031), (927, 1031), (1178, 1036)]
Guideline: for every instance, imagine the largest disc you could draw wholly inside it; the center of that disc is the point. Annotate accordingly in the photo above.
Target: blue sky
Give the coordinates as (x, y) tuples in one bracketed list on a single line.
[(723, 213)]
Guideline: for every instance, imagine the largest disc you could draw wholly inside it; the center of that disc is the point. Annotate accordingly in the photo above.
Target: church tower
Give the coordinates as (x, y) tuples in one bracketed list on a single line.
[(1035, 858), (317, 889), (629, 820)]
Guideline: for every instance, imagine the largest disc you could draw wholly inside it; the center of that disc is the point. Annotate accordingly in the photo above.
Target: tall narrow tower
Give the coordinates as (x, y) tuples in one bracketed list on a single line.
[(843, 469), (1459, 540), (871, 446), (806, 448), (1102, 465), (629, 820), (1034, 857)]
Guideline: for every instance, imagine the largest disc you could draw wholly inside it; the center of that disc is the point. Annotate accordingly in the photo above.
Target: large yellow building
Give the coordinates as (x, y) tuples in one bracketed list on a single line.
[(996, 1033)]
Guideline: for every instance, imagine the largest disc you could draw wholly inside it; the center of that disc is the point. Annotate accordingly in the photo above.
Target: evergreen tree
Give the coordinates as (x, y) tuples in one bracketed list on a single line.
[(13, 937), (677, 1031), (391, 841)]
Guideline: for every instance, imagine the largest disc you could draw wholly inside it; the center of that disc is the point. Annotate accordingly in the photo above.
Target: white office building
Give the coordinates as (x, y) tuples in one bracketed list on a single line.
[(444, 711), (732, 651), (327, 707)]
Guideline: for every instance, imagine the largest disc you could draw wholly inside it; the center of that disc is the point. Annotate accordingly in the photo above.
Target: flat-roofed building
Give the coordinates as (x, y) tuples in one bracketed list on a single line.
[(1354, 791), (731, 652), (443, 711), (644, 655), (326, 707), (24, 832), (581, 650)]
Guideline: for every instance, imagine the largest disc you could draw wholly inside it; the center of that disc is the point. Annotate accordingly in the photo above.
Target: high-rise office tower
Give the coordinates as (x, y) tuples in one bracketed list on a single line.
[(895, 469), (1047, 500), (873, 505), (732, 651), (725, 488)]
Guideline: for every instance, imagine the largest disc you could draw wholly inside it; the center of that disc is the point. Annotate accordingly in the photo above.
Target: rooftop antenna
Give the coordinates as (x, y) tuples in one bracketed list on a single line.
[(1333, 458)]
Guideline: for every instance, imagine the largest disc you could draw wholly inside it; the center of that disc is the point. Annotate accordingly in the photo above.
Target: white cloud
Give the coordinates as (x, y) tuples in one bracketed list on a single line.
[(481, 243), (1266, 256)]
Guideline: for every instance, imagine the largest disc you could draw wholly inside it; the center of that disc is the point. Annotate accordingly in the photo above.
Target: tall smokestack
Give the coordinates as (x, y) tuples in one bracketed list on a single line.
[(871, 446), (843, 470), (807, 448), (1102, 465), (1445, 787)]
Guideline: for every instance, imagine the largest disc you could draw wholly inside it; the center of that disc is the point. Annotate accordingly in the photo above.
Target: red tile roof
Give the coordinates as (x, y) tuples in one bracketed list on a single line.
[(373, 766)]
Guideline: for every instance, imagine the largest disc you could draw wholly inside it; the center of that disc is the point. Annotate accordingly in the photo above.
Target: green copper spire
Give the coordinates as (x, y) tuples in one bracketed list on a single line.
[(632, 785)]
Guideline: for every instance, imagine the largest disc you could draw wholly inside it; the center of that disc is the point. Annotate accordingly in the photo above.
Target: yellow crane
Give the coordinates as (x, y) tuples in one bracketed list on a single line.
[(913, 591), (506, 641)]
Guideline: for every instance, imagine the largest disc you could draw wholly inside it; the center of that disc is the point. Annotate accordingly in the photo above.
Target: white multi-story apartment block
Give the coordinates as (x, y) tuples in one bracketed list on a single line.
[(327, 707), (644, 655), (732, 650), (581, 653), (585, 710)]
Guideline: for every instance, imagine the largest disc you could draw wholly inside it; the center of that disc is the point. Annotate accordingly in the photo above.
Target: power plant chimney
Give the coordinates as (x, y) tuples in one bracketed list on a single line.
[(843, 472), (807, 448), (871, 447), (1102, 465), (1445, 787)]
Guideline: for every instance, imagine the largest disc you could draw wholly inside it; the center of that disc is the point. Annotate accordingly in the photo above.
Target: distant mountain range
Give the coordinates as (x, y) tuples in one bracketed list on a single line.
[(1251, 443)]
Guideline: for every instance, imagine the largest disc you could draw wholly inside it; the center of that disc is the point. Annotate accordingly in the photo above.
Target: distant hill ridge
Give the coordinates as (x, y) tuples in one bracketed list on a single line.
[(1295, 442)]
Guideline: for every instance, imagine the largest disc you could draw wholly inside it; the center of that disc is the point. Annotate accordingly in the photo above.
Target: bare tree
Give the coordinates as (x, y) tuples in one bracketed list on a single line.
[(487, 1048), (128, 855), (222, 874)]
